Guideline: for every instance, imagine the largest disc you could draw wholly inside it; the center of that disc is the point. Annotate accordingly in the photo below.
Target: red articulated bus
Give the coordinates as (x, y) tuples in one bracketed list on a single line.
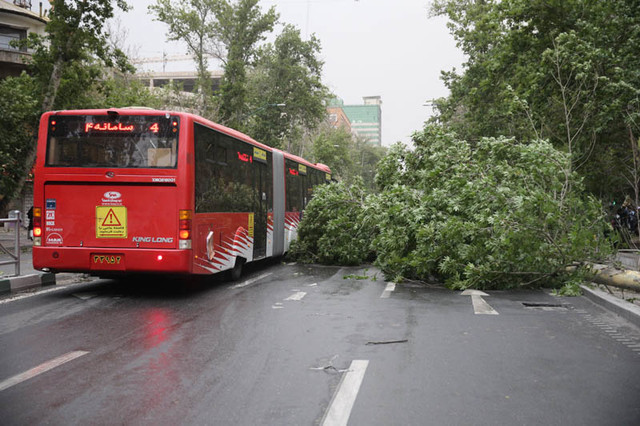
[(146, 191)]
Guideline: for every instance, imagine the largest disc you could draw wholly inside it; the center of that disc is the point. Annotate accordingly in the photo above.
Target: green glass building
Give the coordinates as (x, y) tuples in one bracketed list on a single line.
[(366, 119)]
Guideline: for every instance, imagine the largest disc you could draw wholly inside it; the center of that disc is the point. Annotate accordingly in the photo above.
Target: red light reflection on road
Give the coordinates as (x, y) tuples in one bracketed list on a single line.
[(160, 374), (156, 330)]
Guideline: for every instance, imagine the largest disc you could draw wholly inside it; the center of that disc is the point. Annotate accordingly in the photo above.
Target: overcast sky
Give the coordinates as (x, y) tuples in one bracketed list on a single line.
[(389, 48)]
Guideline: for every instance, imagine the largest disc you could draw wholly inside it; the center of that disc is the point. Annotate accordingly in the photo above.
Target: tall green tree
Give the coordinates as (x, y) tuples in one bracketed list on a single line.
[(194, 23), (334, 148), (559, 70), (349, 157), (365, 158), (19, 111), (75, 32), (228, 30), (241, 25), (65, 63), (287, 72)]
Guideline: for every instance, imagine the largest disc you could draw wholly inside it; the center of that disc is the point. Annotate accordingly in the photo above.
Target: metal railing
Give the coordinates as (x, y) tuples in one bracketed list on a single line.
[(15, 257)]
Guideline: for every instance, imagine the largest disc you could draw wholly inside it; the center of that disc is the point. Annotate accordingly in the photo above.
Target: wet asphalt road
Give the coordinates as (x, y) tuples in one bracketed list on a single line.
[(272, 348)]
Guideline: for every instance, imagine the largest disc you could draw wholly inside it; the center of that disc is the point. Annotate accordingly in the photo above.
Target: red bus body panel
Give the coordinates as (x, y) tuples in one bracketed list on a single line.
[(144, 223)]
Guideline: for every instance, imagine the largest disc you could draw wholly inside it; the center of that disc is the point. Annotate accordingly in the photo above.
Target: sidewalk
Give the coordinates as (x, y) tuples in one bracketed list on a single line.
[(613, 303), (29, 278)]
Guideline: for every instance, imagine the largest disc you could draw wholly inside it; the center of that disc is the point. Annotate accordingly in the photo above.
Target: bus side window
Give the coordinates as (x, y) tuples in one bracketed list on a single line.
[(294, 187)]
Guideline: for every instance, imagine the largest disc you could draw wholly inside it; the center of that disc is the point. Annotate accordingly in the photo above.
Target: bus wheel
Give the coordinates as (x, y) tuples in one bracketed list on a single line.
[(236, 272)]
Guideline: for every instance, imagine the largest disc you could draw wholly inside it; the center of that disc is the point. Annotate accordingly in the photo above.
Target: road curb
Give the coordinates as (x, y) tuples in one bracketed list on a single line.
[(26, 282), (627, 310)]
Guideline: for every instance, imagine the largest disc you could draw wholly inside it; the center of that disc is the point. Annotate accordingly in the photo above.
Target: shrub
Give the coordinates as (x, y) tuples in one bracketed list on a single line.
[(335, 228)]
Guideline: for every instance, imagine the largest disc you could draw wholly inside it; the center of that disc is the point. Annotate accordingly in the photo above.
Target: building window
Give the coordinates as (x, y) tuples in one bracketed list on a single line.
[(8, 34)]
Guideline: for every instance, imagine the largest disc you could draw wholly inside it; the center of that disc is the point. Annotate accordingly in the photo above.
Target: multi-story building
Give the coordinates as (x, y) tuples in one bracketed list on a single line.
[(365, 119), (337, 118), (17, 20), (185, 79)]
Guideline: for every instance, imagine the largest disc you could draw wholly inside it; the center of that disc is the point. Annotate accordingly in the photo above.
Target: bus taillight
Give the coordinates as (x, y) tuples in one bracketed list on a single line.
[(184, 230), (37, 226)]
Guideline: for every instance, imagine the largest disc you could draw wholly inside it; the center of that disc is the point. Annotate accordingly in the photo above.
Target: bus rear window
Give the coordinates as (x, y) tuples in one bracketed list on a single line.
[(133, 141)]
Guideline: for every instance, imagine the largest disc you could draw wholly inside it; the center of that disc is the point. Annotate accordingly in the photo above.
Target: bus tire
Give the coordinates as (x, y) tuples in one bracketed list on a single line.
[(236, 272)]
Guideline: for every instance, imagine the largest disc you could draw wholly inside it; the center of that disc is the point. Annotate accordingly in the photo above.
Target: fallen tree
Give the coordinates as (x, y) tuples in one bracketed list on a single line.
[(487, 214)]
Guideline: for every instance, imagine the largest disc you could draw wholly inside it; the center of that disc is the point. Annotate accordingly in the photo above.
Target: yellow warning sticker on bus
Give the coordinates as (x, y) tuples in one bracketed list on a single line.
[(111, 222)]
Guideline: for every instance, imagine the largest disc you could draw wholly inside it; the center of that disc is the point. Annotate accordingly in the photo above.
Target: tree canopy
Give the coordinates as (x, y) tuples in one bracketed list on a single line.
[(65, 65), (558, 70), (287, 73), (195, 24)]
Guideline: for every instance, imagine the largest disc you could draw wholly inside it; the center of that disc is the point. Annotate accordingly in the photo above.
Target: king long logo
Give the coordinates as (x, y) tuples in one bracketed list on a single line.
[(152, 239)]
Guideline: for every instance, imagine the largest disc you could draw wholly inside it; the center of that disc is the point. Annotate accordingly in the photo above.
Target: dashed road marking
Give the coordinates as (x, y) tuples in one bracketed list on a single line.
[(297, 295), (250, 281), (391, 287), (42, 368), (85, 296), (340, 408)]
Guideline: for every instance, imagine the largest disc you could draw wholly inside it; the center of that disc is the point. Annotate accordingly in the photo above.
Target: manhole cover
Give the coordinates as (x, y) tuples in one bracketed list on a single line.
[(545, 306)]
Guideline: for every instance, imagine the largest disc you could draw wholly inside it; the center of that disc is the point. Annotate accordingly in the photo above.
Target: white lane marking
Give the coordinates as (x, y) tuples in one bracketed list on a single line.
[(391, 287), (480, 306), (42, 368), (85, 296), (277, 305), (297, 296), (312, 285), (345, 396), (251, 281)]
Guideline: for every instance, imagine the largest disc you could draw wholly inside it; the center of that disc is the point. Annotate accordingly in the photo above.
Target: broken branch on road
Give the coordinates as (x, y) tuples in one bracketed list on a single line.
[(387, 342)]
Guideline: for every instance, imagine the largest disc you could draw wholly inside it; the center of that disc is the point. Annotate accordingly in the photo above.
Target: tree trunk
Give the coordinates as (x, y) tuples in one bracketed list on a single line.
[(620, 278), (636, 165), (54, 83)]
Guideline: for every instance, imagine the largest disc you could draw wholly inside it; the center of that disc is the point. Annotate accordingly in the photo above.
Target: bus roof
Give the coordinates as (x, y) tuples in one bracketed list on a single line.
[(219, 127)]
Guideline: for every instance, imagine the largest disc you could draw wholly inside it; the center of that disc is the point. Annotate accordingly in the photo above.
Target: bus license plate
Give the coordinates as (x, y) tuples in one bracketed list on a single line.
[(111, 262)]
